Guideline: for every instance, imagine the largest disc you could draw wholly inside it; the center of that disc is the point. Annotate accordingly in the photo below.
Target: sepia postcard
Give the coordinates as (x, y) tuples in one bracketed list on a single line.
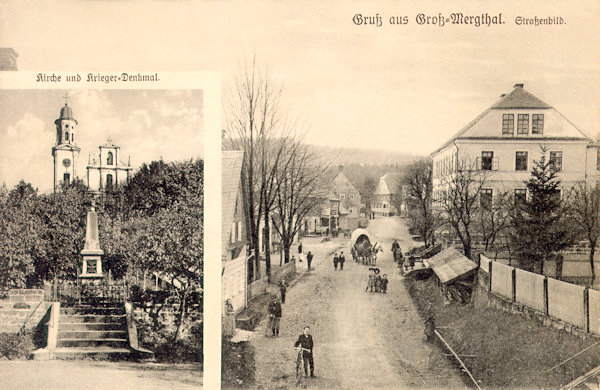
[(393, 195)]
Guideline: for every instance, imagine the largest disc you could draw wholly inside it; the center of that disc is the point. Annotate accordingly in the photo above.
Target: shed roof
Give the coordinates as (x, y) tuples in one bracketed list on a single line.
[(450, 265)]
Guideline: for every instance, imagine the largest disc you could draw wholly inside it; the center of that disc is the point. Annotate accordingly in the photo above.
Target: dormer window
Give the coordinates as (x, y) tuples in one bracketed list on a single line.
[(537, 124), (523, 124), (508, 124)]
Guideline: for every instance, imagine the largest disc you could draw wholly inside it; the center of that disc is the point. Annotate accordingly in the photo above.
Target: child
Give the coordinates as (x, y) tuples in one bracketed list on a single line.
[(384, 283)]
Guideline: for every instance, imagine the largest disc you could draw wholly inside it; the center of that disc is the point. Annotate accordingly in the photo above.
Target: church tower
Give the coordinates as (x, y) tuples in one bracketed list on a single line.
[(65, 150)]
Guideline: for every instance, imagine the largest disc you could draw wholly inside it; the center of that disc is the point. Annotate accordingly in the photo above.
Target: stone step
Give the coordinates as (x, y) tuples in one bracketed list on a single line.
[(92, 310), (91, 334), (100, 353), (83, 326), (92, 343), (94, 318)]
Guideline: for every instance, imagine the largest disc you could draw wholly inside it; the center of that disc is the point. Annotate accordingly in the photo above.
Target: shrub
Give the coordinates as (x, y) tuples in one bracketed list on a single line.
[(16, 346)]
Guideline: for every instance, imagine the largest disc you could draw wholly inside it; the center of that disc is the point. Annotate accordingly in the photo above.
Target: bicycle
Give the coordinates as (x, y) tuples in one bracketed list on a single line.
[(300, 365)]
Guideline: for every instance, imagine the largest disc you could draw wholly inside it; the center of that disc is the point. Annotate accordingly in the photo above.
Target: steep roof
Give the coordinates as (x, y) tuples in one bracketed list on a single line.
[(450, 265), (231, 170), (518, 98), (388, 184)]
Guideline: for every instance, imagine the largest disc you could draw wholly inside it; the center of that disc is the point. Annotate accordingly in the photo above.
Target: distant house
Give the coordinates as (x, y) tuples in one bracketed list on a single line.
[(8, 59), (234, 257), (387, 192), (324, 219), (350, 201)]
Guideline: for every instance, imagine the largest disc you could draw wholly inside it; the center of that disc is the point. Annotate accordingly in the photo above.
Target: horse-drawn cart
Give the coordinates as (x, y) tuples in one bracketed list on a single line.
[(362, 250)]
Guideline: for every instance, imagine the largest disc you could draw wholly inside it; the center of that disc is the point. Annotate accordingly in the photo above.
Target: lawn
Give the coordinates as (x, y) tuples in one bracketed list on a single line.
[(510, 351)]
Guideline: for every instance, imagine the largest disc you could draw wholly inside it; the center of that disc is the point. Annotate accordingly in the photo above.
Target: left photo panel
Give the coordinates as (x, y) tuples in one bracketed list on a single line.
[(102, 229)]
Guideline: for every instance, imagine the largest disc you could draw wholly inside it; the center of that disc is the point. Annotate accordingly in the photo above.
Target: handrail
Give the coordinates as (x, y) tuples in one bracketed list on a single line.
[(29, 316), (457, 358)]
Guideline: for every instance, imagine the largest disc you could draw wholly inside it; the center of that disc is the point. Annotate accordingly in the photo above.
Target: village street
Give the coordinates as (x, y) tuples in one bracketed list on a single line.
[(362, 340)]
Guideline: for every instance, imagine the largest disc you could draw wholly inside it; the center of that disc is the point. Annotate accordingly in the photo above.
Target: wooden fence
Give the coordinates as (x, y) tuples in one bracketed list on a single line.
[(572, 304)]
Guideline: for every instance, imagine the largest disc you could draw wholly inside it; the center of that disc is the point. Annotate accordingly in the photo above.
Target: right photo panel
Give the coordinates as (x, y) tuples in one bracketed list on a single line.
[(410, 197)]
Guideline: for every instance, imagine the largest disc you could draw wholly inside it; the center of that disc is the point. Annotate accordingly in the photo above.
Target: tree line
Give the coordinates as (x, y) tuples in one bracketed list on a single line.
[(530, 226), (154, 223)]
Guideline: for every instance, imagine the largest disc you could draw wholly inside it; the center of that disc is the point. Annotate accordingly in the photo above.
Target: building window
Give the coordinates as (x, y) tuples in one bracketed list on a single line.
[(351, 196), (109, 181), (523, 124), (520, 196), (109, 159), (521, 161), (72, 137), (342, 196), (556, 160), (67, 178), (537, 124), (485, 198), (508, 124), (66, 136), (486, 160)]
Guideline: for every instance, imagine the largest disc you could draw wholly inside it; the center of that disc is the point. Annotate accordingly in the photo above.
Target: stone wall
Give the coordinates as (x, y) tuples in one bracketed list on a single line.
[(20, 306)]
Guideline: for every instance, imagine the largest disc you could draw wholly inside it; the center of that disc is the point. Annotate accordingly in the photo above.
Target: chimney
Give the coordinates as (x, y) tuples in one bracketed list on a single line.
[(519, 85)]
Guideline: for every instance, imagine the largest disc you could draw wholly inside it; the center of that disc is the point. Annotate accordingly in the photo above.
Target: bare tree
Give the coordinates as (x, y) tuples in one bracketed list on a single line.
[(493, 220), (460, 200), (300, 190), (417, 180), (585, 208), (255, 124)]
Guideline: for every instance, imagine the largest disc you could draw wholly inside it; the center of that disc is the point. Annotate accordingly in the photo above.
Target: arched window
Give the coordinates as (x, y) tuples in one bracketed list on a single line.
[(72, 137), (109, 181), (109, 159), (66, 136)]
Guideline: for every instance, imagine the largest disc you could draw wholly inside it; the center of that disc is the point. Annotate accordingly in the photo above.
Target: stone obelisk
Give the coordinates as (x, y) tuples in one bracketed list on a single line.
[(91, 253)]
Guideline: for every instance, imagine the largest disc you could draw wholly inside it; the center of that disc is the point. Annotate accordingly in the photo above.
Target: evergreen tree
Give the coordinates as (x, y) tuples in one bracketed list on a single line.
[(540, 222)]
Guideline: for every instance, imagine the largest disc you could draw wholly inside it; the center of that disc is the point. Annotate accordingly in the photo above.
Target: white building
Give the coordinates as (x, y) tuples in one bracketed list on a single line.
[(505, 140), (107, 171), (65, 151)]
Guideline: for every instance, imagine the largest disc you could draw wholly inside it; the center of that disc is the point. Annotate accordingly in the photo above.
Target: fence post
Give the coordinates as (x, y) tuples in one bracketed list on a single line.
[(546, 295), (513, 275), (490, 273), (586, 308)]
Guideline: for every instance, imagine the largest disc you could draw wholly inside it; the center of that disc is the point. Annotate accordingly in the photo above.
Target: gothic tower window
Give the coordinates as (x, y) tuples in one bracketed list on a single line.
[(109, 181), (109, 159), (66, 136), (67, 178)]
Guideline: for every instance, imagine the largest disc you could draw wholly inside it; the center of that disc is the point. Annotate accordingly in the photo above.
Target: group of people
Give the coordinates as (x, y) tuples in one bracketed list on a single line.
[(377, 282), (341, 259)]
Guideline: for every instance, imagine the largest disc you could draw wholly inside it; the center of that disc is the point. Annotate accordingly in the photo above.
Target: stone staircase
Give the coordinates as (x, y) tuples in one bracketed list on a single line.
[(93, 330)]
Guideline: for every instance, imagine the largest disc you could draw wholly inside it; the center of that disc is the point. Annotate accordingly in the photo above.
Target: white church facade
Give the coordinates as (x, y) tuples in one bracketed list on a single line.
[(102, 174)]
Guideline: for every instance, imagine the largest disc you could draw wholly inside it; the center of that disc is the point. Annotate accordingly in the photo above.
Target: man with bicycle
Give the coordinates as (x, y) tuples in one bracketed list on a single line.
[(305, 342)]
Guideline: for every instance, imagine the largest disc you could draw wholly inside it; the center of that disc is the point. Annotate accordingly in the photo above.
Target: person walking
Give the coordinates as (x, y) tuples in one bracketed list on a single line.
[(282, 289), (300, 251), (309, 257), (229, 321), (342, 259), (305, 341), (384, 283), (275, 316), (335, 261)]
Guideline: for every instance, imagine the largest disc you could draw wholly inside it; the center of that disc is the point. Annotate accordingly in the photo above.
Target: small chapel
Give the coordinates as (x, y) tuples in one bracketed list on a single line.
[(102, 173)]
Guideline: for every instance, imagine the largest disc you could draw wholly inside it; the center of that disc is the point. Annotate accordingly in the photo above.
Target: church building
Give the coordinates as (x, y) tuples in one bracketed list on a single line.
[(101, 174)]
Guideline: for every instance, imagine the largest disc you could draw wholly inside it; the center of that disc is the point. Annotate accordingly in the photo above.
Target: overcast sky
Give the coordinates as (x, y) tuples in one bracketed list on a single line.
[(146, 124), (405, 88)]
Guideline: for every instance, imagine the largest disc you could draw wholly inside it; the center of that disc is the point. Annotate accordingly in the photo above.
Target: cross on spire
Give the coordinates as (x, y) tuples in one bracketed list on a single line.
[(66, 98)]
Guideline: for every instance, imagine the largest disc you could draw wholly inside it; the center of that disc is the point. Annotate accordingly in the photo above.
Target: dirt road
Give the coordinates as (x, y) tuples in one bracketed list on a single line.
[(363, 340)]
